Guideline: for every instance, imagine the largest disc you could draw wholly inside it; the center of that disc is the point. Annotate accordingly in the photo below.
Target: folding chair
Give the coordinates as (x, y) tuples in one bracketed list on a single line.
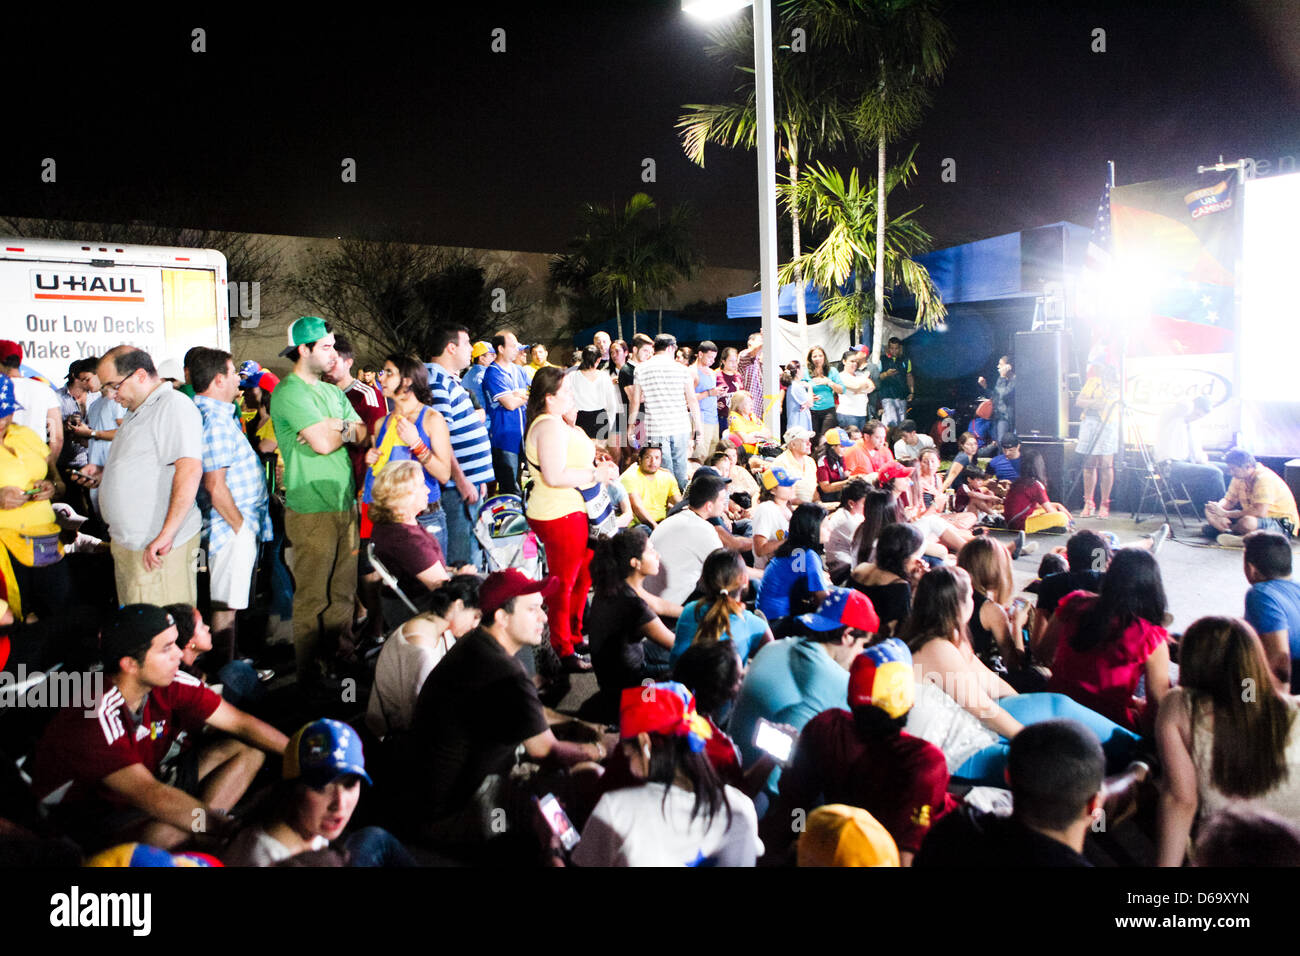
[(393, 594), (1157, 483)]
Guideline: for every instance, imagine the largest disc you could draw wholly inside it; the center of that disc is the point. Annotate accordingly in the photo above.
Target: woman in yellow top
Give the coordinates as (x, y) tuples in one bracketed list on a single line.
[(741, 421), (1099, 435), (35, 579), (561, 460)]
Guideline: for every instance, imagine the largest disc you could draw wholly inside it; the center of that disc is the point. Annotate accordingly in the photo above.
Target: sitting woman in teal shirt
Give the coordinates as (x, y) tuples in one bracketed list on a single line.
[(719, 615)]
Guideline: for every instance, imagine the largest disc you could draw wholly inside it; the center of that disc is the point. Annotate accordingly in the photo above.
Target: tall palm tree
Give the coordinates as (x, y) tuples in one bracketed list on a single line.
[(622, 256), (847, 209), (808, 114), (901, 48)]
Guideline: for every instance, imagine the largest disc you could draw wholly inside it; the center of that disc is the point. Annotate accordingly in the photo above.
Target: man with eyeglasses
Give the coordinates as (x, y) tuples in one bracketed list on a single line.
[(149, 483)]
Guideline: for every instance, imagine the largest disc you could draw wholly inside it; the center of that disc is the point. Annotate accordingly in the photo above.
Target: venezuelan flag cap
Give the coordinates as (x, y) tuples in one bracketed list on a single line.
[(881, 676)]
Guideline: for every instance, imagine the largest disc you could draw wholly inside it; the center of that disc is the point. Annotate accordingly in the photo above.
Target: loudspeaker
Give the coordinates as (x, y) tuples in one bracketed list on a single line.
[(1057, 454), (1042, 363)]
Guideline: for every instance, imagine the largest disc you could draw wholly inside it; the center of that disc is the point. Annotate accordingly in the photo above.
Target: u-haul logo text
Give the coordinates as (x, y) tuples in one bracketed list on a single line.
[(85, 287)]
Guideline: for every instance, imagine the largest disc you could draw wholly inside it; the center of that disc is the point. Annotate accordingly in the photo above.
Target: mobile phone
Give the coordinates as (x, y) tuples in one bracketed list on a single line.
[(1020, 602), (773, 740), (558, 821), (32, 492)]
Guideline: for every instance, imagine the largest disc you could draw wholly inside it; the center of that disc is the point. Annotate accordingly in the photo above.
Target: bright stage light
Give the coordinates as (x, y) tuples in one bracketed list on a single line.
[(713, 9), (1270, 323)]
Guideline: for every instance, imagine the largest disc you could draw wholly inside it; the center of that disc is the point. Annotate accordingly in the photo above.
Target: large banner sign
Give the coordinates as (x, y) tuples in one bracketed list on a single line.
[(1175, 247)]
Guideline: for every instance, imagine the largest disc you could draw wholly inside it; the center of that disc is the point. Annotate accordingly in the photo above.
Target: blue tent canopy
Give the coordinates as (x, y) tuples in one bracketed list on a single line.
[(750, 305)]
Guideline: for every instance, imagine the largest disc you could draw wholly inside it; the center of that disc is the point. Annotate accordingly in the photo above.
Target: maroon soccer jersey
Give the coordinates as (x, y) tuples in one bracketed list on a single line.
[(80, 748), (370, 405)]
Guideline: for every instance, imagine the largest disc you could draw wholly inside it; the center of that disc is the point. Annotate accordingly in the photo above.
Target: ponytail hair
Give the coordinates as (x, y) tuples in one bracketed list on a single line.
[(722, 575)]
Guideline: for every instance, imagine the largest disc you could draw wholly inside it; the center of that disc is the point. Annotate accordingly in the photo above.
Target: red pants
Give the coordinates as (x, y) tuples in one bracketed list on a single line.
[(569, 559)]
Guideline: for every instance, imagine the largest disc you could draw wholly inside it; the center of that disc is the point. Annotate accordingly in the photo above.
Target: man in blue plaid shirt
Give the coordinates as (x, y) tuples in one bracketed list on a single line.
[(233, 495)]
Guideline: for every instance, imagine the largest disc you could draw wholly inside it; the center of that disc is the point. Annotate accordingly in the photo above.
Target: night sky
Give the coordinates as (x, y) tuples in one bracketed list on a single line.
[(458, 145)]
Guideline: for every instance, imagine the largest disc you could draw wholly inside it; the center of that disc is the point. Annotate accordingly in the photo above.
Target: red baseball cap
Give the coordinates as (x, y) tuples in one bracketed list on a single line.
[(10, 349), (501, 587), (892, 472)]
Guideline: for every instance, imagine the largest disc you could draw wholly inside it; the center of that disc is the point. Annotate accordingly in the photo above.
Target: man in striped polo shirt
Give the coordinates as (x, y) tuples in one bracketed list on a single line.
[(471, 464), (672, 415)]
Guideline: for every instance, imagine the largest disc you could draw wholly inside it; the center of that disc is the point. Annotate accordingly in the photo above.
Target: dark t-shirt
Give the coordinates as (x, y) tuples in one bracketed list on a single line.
[(1022, 498), (892, 602), (475, 708), (407, 550), (625, 379), (899, 779), (1056, 586), (613, 627), (968, 838)]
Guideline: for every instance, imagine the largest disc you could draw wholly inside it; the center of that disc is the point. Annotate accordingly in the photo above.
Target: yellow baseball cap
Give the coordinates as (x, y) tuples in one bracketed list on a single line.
[(840, 835)]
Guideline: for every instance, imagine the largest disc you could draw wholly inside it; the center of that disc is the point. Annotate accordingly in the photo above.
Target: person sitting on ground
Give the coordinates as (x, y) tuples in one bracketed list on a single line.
[(864, 758), (875, 446), (1005, 465), (792, 681), (323, 769), (997, 625), (1273, 603), (958, 478), (795, 580), (401, 543), (686, 539), (1089, 555), (929, 485), (729, 535), (1257, 500), (943, 656), (478, 710), (620, 624), (1105, 644), (1056, 772), (910, 443), (742, 479), (745, 425), (415, 648), (1241, 837), (838, 835), (842, 528), (712, 671), (99, 776), (879, 510), (831, 472), (772, 516), (1026, 507), (681, 814), (798, 461), (720, 614), (1226, 735), (651, 488), (941, 537), (738, 514), (899, 562)]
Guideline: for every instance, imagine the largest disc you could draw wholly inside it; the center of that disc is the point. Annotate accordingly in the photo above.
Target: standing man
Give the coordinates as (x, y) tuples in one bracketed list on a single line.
[(707, 391), (39, 406), (471, 463), (672, 416), (73, 400), (750, 367), (314, 422), (643, 347), (366, 401), (150, 482), (505, 383), (104, 418), (234, 499), (897, 386)]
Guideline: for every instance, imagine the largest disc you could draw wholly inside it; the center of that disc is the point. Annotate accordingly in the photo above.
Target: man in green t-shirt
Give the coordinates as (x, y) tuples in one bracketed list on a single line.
[(313, 421)]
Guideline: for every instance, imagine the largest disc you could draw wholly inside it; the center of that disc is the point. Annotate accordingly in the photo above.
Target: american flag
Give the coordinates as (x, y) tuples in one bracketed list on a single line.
[(1097, 258)]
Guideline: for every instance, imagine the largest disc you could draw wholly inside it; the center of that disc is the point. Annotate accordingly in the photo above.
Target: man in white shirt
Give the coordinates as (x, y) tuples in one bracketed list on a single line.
[(1179, 453), (672, 415), (908, 448), (685, 539)]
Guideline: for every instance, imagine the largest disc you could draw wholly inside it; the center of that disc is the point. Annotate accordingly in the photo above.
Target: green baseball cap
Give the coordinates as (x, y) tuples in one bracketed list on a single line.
[(304, 331)]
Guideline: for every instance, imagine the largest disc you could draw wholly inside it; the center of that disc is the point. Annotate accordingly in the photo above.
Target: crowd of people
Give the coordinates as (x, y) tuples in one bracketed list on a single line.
[(800, 621)]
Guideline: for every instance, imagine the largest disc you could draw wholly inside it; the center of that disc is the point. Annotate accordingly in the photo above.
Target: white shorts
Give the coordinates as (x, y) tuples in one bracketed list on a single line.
[(230, 570)]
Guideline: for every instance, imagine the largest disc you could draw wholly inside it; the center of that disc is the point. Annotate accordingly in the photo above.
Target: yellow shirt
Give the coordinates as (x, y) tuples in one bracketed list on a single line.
[(739, 424), (652, 489), (546, 503), (1265, 488), (22, 464), (806, 486)]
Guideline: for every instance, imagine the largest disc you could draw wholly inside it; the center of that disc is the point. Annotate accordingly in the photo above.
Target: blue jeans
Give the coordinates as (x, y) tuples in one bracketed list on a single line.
[(463, 547), (893, 410), (373, 846), (989, 766), (859, 421), (436, 525), (676, 449)]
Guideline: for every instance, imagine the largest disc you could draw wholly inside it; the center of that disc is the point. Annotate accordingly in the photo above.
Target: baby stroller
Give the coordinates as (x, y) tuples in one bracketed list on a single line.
[(507, 540)]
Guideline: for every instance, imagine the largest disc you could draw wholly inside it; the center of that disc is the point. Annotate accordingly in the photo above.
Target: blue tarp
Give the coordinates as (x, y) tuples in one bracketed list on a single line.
[(750, 305)]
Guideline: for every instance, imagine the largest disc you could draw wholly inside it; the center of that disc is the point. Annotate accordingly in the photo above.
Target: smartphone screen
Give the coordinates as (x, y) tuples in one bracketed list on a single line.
[(773, 740), (558, 821)]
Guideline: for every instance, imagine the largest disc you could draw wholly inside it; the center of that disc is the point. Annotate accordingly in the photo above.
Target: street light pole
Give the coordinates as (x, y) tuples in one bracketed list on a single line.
[(766, 124)]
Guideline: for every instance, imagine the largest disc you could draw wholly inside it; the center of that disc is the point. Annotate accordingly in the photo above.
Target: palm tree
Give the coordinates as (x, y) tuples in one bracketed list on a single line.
[(848, 210), (807, 114), (621, 256), (902, 48)]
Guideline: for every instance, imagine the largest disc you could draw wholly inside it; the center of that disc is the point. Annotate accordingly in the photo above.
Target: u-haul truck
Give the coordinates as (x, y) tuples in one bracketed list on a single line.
[(65, 300)]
